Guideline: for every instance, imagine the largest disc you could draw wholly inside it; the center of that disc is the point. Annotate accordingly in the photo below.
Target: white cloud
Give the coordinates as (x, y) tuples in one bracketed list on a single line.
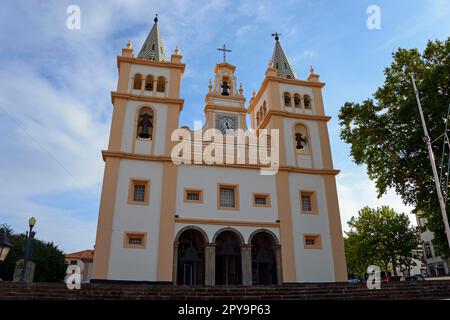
[(51, 144), (243, 31), (305, 55), (356, 191)]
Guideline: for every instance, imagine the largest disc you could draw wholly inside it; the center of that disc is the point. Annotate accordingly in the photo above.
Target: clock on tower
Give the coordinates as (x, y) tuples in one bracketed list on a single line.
[(226, 123)]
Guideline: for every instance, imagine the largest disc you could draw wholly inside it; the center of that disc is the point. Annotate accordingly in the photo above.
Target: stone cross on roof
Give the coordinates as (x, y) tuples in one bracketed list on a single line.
[(225, 50)]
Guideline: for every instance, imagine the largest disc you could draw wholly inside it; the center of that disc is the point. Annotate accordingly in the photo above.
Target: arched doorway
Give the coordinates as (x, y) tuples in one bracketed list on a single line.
[(264, 262), (191, 258), (228, 259)]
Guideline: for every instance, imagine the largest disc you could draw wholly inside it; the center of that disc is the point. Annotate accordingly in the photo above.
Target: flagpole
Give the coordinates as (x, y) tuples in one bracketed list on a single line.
[(433, 163)]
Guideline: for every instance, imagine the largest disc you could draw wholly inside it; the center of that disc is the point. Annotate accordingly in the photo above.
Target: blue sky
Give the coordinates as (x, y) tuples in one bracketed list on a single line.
[(55, 83)]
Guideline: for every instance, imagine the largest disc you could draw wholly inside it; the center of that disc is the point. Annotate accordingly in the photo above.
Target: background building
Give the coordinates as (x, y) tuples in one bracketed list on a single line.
[(83, 259), (436, 266)]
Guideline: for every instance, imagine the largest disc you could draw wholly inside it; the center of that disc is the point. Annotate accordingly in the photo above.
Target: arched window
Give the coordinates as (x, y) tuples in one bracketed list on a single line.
[(257, 119), (144, 128), (301, 138), (149, 83), (161, 85), (264, 108), (297, 100), (137, 81), (307, 101), (287, 99)]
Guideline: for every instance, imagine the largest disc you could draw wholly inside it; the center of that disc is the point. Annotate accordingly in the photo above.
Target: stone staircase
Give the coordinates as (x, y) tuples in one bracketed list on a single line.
[(391, 290)]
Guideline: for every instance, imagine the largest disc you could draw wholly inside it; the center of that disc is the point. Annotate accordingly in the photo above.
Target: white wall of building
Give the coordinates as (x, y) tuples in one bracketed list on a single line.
[(312, 265), (136, 264), (207, 177)]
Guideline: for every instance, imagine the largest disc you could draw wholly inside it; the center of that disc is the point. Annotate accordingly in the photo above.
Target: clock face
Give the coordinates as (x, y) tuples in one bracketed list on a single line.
[(225, 124)]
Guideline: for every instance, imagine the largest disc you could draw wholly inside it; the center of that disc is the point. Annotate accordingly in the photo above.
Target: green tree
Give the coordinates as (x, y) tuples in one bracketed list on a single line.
[(385, 133), (379, 236), (49, 260)]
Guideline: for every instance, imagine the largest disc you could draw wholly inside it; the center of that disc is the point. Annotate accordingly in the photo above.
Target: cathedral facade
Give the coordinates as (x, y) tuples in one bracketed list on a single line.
[(221, 223)]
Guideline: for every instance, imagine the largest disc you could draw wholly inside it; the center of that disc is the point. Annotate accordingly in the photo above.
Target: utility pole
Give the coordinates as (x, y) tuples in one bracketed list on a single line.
[(433, 163)]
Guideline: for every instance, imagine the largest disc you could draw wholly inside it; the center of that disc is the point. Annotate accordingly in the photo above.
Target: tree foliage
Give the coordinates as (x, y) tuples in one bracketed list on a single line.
[(385, 133), (49, 260), (377, 237)]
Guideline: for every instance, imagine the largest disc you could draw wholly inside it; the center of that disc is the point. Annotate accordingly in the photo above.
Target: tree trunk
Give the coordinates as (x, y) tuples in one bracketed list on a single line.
[(394, 266)]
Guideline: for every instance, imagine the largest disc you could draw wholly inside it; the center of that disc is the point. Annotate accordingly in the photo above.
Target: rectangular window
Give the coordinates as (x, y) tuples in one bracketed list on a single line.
[(228, 197), (308, 203), (428, 252), (193, 195), (139, 191), (261, 200), (135, 240), (312, 241)]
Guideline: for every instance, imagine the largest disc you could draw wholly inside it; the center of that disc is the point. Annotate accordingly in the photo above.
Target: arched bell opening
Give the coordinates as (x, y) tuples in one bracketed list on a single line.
[(145, 122)]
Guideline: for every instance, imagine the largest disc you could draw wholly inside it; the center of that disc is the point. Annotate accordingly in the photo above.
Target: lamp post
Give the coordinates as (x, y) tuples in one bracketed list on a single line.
[(29, 240), (5, 246)]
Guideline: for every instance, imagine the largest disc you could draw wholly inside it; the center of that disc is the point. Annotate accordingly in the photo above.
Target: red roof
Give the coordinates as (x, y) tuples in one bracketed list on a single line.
[(83, 255)]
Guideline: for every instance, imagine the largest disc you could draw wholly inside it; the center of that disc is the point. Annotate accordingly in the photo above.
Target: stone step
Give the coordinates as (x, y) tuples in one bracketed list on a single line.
[(403, 290)]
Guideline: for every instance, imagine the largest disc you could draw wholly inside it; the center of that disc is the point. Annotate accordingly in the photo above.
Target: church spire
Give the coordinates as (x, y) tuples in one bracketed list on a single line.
[(280, 61), (153, 47)]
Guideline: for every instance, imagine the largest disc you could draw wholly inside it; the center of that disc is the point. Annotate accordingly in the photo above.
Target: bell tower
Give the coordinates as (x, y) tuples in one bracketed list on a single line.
[(295, 107), (224, 102), (146, 108)]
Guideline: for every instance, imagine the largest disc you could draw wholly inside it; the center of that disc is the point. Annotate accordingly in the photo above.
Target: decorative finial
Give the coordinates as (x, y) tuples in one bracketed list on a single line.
[(240, 89), (254, 93), (177, 51), (210, 85), (156, 18), (129, 44), (276, 35), (311, 70), (270, 64)]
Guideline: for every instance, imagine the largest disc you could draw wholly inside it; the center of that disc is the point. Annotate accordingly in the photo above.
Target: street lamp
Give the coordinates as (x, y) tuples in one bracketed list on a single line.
[(32, 222), (29, 240), (5, 246)]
